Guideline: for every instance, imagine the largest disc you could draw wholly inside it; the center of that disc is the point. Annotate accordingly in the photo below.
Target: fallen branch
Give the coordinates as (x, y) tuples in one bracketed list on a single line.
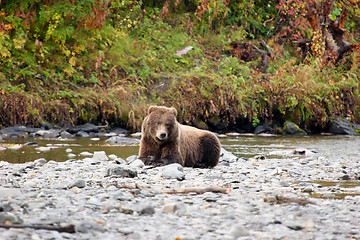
[(249, 52), (282, 200), (198, 190), (179, 191), (67, 229)]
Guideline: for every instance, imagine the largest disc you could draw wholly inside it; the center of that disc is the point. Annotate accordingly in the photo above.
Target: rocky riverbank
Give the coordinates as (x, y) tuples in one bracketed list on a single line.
[(337, 126), (99, 196)]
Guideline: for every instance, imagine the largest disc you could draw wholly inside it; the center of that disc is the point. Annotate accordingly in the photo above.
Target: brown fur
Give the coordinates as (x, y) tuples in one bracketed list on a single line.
[(166, 141)]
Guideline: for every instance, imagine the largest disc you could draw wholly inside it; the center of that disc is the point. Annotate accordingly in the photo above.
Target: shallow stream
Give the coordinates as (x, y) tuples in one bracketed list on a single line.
[(342, 148)]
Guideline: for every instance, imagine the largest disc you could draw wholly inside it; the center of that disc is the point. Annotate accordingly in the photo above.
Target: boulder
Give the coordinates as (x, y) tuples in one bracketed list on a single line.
[(122, 141), (88, 127), (173, 170), (291, 128), (263, 128), (121, 171), (117, 130), (344, 127)]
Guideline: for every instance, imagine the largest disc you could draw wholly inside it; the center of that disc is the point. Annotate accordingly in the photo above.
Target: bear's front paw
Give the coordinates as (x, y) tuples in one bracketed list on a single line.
[(148, 160), (163, 162)]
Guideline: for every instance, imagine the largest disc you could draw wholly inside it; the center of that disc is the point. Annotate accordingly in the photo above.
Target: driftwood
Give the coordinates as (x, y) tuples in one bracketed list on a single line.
[(67, 229), (213, 189), (198, 190), (284, 200), (249, 52)]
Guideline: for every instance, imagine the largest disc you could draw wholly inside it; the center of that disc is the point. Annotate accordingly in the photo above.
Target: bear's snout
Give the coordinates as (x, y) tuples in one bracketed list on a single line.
[(161, 136)]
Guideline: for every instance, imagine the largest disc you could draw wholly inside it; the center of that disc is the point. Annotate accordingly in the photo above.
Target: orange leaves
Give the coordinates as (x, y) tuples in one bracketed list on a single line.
[(165, 10), (100, 12)]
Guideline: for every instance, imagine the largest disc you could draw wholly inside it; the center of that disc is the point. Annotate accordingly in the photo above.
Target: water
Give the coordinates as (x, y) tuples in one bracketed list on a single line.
[(344, 148), (58, 152)]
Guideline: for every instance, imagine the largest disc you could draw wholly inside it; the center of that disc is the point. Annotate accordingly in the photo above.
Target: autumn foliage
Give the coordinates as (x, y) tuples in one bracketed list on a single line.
[(252, 61)]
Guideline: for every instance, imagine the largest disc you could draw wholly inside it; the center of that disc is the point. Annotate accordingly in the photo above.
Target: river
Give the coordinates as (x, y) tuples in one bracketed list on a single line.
[(344, 148)]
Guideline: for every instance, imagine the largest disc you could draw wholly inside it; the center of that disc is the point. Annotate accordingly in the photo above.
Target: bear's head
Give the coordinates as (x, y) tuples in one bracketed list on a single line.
[(161, 124)]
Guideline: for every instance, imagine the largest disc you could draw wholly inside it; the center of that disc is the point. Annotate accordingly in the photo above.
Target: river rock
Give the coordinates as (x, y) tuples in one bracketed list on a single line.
[(9, 192), (82, 134), (263, 128), (122, 196), (53, 133), (226, 156), (66, 134), (137, 164), (88, 127), (146, 210), (80, 183), (40, 162), (86, 154), (100, 156), (6, 207), (15, 147), (173, 170), (293, 129), (119, 131), (342, 126), (31, 144), (136, 135), (120, 161), (238, 231), (122, 140), (6, 217), (17, 132), (131, 159), (121, 171), (89, 227)]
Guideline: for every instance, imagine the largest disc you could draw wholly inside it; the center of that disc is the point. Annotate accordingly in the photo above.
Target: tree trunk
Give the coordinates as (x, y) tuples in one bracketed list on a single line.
[(327, 23)]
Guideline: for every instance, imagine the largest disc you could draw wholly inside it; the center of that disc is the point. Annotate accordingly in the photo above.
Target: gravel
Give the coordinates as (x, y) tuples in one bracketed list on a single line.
[(102, 197)]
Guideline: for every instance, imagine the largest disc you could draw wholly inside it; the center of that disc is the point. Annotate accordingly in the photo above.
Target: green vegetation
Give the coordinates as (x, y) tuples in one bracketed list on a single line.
[(108, 60)]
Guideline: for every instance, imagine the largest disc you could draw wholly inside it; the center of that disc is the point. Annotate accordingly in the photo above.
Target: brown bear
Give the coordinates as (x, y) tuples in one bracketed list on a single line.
[(164, 140)]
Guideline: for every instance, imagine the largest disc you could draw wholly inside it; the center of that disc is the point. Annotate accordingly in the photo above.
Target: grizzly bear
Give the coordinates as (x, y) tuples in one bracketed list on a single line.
[(164, 140)]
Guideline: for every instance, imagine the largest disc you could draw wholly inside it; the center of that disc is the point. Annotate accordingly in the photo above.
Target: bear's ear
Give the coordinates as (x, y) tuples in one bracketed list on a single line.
[(174, 111), (152, 108)]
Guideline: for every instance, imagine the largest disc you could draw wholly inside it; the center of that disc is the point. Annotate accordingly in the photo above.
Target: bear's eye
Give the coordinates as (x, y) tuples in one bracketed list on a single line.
[(167, 124), (158, 123)]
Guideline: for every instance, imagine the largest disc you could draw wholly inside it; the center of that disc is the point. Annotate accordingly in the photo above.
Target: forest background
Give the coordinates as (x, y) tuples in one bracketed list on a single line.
[(253, 61)]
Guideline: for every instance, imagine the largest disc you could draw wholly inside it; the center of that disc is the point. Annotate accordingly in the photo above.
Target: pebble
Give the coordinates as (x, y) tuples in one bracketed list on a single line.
[(78, 183), (40, 162), (122, 140), (137, 164), (121, 171), (136, 135), (120, 199), (146, 210), (174, 170), (100, 156), (239, 230), (86, 154), (15, 147)]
